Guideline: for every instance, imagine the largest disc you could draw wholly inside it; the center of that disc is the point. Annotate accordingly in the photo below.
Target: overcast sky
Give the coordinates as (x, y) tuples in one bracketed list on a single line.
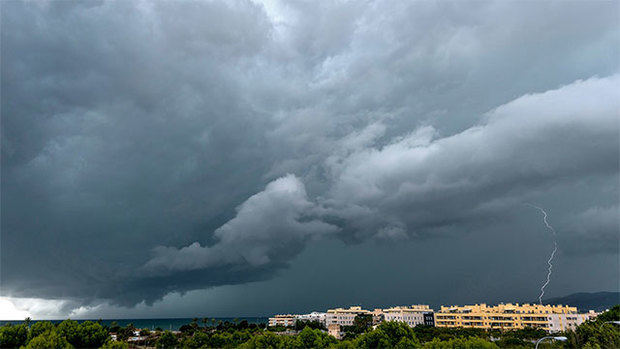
[(246, 158)]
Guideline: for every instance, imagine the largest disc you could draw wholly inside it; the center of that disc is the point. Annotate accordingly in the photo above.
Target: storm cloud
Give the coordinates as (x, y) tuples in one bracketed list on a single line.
[(158, 147)]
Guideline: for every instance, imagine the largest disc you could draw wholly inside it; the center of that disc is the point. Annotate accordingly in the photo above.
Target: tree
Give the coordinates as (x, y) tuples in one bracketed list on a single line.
[(39, 328), (126, 332), (309, 338), (389, 334), (49, 340), (90, 335), (219, 340), (186, 329), (114, 327), (198, 340), (167, 340), (263, 341), (69, 330), (612, 314), (593, 334), (13, 336), (301, 324), (361, 323)]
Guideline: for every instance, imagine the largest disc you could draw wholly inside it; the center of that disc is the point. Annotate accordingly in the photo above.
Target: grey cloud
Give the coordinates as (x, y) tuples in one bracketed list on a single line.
[(132, 125), (526, 144), (595, 230), (270, 226), (417, 184)]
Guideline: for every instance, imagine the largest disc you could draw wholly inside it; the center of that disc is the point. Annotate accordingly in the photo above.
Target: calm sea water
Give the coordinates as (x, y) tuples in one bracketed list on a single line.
[(166, 324)]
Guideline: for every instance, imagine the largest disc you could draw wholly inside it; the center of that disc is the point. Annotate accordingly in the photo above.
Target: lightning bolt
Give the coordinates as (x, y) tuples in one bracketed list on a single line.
[(555, 249)]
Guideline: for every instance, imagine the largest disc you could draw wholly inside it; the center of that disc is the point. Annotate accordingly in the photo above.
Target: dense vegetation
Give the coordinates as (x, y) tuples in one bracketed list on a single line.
[(598, 334)]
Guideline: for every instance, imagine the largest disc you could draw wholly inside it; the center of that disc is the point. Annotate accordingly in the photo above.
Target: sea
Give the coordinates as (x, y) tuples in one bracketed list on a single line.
[(171, 324)]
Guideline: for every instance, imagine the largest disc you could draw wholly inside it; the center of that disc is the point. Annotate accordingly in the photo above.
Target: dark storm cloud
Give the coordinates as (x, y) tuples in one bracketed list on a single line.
[(416, 184), (153, 147)]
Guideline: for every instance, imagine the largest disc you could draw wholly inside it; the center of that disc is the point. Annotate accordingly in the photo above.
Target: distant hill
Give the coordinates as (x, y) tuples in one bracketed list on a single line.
[(585, 301)]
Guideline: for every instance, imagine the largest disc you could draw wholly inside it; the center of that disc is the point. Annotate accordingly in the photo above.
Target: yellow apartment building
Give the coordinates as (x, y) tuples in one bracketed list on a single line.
[(551, 318)]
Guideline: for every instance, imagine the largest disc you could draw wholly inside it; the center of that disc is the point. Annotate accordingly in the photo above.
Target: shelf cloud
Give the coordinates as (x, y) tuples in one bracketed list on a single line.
[(154, 148)]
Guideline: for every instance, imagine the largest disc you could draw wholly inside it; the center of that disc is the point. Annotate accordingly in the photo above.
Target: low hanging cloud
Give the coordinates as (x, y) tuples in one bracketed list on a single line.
[(270, 227), (419, 183)]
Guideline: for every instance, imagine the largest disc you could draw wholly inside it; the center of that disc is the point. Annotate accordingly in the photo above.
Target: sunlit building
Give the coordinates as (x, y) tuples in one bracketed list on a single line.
[(283, 320), (551, 318), (334, 330)]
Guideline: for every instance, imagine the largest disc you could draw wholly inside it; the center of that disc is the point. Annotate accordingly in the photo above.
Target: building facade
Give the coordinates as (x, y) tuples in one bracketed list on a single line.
[(429, 319), (334, 330), (283, 320), (565, 322), (344, 317), (411, 315), (551, 318), (313, 316)]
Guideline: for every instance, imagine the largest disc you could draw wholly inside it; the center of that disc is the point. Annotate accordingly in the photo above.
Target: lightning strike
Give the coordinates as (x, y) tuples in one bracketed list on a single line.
[(555, 249)]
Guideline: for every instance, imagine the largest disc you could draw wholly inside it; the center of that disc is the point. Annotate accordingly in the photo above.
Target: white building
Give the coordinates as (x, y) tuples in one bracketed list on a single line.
[(313, 316), (412, 316), (564, 322)]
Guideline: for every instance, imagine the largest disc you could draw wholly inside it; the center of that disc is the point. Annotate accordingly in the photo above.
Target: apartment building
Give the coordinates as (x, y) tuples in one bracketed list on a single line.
[(313, 316), (411, 315), (345, 317), (551, 318), (283, 320), (565, 321)]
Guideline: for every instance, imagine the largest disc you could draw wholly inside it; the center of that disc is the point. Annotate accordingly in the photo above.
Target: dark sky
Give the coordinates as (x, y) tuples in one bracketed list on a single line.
[(241, 158)]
